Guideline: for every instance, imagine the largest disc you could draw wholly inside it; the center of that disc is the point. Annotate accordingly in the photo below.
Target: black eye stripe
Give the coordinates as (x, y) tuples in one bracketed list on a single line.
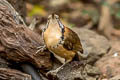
[(60, 24), (62, 28)]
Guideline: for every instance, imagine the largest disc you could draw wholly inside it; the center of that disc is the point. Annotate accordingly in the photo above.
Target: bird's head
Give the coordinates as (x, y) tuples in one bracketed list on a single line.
[(54, 22)]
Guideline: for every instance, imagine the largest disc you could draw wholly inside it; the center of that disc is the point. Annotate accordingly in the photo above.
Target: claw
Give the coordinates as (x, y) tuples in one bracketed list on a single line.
[(41, 49)]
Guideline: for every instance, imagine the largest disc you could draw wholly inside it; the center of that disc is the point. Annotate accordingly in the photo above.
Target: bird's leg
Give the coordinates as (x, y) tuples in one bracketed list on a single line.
[(57, 70), (62, 65), (41, 48)]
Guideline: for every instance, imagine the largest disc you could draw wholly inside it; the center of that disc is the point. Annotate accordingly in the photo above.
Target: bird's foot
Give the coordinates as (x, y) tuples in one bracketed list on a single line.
[(54, 72), (41, 48)]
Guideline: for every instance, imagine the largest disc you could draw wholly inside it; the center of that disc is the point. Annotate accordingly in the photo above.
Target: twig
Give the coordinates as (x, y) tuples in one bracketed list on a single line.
[(33, 23)]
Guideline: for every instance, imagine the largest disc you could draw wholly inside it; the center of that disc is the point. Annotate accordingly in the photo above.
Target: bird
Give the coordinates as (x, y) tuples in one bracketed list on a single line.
[(60, 40)]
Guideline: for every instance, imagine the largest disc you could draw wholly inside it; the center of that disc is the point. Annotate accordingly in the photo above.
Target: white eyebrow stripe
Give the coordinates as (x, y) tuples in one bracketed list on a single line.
[(61, 25)]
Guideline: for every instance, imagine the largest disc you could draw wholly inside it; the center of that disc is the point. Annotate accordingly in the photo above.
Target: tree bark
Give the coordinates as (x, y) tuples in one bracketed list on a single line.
[(20, 7), (11, 74), (19, 43)]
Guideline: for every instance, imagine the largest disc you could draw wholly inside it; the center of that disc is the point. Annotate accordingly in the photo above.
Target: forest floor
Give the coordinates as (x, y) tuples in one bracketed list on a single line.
[(97, 23)]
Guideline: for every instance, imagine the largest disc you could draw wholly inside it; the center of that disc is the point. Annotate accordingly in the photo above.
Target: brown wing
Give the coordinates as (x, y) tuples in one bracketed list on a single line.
[(72, 41)]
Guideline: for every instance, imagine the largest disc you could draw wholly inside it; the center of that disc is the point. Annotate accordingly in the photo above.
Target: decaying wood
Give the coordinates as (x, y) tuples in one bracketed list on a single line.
[(19, 43), (4, 63), (13, 12), (11, 74), (20, 7)]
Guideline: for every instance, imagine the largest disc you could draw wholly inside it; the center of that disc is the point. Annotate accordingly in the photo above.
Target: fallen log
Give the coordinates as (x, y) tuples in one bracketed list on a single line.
[(18, 42), (11, 74)]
